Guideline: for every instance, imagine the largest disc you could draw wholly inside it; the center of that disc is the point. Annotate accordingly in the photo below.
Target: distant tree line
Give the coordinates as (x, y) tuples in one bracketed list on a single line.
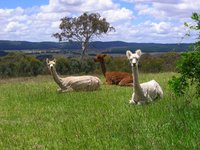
[(18, 64), (113, 46)]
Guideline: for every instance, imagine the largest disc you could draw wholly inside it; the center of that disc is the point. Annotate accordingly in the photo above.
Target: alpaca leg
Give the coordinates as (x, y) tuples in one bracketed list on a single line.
[(68, 90), (64, 90), (132, 99), (126, 82), (141, 102), (149, 99), (109, 82), (59, 90)]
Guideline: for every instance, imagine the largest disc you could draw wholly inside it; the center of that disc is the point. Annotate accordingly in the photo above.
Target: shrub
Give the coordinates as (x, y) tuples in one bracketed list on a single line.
[(117, 64), (169, 61), (17, 64), (62, 65), (151, 63), (75, 66), (188, 66), (88, 66)]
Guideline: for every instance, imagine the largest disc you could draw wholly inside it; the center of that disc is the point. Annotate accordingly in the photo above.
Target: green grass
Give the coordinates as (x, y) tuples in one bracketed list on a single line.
[(34, 116)]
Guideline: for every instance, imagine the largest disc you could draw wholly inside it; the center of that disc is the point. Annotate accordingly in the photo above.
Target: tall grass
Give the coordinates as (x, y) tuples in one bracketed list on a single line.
[(34, 116)]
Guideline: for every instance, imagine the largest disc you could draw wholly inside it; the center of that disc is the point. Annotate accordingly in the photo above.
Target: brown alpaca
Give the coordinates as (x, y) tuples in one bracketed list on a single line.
[(117, 78)]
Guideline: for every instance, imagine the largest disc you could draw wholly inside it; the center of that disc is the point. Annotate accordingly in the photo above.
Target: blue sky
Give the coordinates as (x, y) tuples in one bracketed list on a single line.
[(142, 21), (22, 3)]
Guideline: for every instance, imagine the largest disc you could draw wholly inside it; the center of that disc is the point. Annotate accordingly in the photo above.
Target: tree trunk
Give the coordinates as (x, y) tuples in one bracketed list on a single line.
[(84, 48)]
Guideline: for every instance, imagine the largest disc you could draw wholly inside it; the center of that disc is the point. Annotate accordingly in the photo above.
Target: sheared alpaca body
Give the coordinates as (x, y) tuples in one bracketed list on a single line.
[(145, 92), (73, 83), (117, 78)]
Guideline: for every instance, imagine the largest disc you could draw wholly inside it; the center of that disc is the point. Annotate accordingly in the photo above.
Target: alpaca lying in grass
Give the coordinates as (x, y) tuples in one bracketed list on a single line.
[(145, 92), (73, 83), (117, 78)]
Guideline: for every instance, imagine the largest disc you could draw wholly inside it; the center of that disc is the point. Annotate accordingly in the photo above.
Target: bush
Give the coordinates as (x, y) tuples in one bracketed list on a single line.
[(169, 61), (151, 63), (17, 64), (117, 64), (189, 65), (147, 64), (88, 66), (75, 66), (62, 65), (189, 68)]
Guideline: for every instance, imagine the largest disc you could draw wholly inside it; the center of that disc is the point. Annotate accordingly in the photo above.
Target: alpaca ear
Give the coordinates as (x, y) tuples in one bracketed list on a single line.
[(54, 60), (128, 54), (47, 60), (138, 52)]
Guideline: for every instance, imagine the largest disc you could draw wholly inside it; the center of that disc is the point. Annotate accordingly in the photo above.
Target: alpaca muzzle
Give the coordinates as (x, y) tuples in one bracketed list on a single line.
[(51, 65)]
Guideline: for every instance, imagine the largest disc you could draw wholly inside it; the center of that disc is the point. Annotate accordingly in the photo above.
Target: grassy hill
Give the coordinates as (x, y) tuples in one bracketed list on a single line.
[(34, 116)]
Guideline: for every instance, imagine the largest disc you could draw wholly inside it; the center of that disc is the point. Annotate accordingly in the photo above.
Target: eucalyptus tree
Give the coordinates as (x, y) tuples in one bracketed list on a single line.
[(83, 29)]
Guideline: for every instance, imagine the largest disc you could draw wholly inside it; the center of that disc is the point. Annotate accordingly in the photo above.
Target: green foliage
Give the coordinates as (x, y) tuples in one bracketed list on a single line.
[(179, 85), (149, 63), (159, 62), (189, 68), (169, 61), (87, 65), (189, 65), (62, 65), (117, 64), (74, 65), (17, 64)]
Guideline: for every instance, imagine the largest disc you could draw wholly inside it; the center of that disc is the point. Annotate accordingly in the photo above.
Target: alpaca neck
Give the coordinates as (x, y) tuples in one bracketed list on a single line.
[(56, 77), (136, 84), (103, 67)]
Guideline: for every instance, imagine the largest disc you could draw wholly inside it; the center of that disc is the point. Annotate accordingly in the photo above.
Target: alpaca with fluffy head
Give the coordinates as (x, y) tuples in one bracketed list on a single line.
[(117, 78), (145, 92), (73, 83)]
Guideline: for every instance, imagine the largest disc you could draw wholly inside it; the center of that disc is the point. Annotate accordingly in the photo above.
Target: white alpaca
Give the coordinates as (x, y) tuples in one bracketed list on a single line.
[(73, 83), (144, 92)]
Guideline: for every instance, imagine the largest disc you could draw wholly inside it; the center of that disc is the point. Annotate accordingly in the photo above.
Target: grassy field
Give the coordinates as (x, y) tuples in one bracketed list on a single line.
[(34, 116)]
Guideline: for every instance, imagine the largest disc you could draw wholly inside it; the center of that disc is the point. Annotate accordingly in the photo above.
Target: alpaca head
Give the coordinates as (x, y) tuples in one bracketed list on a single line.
[(51, 63), (99, 57), (133, 57)]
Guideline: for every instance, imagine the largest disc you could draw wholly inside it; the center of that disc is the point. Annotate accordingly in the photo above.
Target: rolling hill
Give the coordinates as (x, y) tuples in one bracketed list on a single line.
[(98, 45)]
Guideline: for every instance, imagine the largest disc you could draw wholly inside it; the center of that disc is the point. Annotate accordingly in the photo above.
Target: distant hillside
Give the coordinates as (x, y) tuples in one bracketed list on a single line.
[(110, 47)]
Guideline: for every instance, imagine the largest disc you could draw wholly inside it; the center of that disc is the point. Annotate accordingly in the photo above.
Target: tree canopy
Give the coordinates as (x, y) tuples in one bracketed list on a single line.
[(83, 29)]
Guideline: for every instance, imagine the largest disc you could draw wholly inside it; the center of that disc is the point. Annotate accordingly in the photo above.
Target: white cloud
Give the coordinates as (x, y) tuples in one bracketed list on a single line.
[(117, 15), (154, 1), (148, 31), (14, 26), (167, 9), (78, 6), (40, 22)]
